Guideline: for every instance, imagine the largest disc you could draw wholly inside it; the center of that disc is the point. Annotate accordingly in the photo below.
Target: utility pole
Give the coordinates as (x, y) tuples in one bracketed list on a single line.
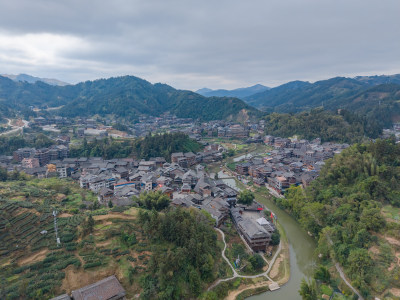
[(56, 228)]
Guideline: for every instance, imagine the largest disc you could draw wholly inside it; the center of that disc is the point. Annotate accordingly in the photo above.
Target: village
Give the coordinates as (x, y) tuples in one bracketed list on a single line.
[(186, 179)]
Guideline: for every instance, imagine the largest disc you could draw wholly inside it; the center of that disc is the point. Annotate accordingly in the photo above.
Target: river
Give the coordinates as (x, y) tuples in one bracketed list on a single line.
[(301, 247)]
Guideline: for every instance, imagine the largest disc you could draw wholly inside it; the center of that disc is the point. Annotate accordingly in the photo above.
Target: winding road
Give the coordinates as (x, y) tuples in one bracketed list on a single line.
[(15, 128), (235, 274)]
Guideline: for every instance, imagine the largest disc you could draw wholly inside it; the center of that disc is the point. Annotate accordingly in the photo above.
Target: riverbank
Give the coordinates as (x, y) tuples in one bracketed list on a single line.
[(301, 246), (278, 272), (278, 265)]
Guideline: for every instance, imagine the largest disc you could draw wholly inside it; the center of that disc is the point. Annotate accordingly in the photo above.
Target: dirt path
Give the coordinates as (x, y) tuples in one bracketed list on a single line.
[(275, 269), (114, 216), (342, 275), (65, 215), (34, 258), (235, 274), (392, 241), (233, 294), (395, 292)]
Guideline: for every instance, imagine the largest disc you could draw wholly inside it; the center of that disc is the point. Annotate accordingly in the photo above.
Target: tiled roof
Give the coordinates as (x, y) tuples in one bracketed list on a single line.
[(108, 288)]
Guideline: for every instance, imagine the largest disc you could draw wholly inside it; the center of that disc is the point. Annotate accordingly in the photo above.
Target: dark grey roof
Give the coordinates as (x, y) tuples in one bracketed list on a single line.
[(62, 297), (108, 288)]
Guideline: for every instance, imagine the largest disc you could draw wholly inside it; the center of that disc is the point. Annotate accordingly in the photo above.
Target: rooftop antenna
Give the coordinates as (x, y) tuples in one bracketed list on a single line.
[(56, 228)]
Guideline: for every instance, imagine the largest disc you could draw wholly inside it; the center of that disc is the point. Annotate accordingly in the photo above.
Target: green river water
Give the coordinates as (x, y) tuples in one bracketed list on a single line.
[(301, 247)]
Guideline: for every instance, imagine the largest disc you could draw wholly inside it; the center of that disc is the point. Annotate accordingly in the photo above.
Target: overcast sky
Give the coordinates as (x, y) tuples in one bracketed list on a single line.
[(194, 44)]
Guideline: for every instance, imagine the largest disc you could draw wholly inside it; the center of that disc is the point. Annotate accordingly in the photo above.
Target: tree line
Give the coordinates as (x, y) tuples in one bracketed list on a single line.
[(158, 145), (9, 144)]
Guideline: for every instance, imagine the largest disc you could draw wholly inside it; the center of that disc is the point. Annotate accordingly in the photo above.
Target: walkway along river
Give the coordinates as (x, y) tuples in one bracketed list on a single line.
[(301, 247)]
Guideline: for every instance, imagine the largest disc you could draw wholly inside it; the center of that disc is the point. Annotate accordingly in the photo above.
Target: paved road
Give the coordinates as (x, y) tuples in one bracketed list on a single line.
[(235, 274)]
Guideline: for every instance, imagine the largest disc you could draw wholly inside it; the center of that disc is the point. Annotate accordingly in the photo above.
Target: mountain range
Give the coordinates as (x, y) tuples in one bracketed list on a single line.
[(240, 93), (302, 95), (370, 96), (33, 79), (124, 97), (127, 97)]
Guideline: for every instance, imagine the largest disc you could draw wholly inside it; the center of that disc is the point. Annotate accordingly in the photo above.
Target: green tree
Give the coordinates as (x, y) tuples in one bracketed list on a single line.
[(96, 205), (88, 225), (322, 274), (3, 174), (257, 262), (308, 290), (153, 200), (246, 197), (275, 238), (359, 262)]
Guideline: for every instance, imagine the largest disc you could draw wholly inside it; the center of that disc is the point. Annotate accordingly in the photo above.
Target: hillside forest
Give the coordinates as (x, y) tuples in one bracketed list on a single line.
[(344, 210)]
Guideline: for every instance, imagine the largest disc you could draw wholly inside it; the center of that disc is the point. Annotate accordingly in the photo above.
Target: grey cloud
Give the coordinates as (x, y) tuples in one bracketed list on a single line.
[(218, 44)]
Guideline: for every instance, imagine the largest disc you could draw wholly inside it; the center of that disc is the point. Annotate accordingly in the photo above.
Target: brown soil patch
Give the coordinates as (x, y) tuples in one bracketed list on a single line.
[(104, 224), (395, 292), (374, 250), (104, 244), (275, 268), (391, 220), (233, 294), (75, 279), (393, 241), (34, 258), (24, 210), (392, 265), (65, 215), (114, 216), (60, 197)]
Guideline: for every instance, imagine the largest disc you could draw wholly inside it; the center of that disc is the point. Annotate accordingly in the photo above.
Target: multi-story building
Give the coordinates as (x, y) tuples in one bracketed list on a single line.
[(256, 231), (22, 153), (43, 156), (30, 163)]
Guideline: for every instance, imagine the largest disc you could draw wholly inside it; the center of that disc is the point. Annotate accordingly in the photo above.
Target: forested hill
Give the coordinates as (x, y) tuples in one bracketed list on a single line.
[(301, 95), (370, 96), (342, 126), (124, 97)]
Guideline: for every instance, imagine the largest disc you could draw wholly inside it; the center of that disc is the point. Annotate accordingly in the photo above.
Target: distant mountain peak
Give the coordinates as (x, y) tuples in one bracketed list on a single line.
[(239, 92), (32, 79), (203, 90)]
